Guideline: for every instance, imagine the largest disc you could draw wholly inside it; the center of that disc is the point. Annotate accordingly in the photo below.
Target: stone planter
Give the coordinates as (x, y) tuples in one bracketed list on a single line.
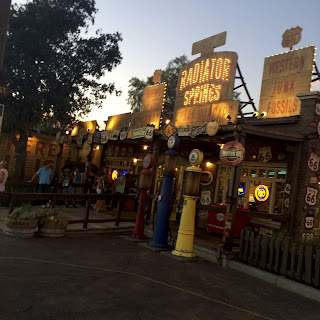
[(20, 228), (52, 229)]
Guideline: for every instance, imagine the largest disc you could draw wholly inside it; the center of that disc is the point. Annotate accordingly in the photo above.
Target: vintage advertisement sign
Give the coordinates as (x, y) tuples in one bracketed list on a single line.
[(285, 75), (311, 196), (168, 130), (205, 199), (313, 162), (157, 76), (232, 153), (104, 137), (153, 97), (291, 37), (119, 121), (206, 178), (123, 134), (308, 223), (212, 128), (197, 116), (149, 132), (112, 134), (138, 133), (265, 154)]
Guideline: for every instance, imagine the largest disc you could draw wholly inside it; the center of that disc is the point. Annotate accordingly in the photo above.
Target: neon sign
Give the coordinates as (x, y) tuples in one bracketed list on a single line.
[(261, 192), (114, 175), (241, 190), (203, 72)]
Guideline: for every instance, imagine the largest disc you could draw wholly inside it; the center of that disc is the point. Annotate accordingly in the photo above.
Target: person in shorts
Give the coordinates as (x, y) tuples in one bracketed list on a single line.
[(66, 184)]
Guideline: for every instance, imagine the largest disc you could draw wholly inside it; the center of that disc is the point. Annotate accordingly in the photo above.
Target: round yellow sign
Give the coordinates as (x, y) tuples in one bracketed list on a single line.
[(261, 192)]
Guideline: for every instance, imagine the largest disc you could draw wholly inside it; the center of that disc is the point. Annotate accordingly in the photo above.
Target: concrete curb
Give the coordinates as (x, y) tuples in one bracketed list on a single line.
[(276, 280)]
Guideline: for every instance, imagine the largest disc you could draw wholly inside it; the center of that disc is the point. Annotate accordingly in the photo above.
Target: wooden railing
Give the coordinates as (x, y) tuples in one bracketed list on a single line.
[(281, 256), (13, 198)]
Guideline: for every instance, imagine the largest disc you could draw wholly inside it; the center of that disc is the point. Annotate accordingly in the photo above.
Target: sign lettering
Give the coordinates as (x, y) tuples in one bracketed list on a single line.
[(284, 76)]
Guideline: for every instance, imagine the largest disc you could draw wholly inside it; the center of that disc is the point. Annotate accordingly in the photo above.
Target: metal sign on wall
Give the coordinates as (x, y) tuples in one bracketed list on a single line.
[(285, 75)]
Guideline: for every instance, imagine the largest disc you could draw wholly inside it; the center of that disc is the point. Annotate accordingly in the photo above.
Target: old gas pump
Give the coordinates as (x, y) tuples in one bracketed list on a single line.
[(184, 245), (161, 227), (145, 182)]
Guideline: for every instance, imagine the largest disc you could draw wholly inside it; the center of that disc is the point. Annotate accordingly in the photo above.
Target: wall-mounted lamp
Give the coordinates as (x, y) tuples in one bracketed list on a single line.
[(67, 132), (209, 164), (255, 114), (263, 114), (228, 117), (167, 121), (98, 147), (135, 160), (145, 147)]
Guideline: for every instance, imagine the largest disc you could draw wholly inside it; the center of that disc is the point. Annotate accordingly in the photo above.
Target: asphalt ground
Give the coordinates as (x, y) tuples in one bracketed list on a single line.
[(107, 277)]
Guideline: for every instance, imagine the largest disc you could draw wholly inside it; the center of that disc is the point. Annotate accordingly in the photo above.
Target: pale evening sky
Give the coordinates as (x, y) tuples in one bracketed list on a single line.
[(155, 32)]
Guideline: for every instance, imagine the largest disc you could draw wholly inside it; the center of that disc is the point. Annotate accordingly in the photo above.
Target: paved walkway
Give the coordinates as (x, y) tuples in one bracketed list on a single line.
[(108, 277)]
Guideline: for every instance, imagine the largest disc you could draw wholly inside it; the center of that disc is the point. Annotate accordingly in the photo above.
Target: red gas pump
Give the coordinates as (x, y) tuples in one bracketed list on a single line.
[(145, 182)]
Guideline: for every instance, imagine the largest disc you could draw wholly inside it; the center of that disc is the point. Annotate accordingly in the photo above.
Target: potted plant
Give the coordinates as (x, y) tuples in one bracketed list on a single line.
[(51, 224), (22, 222)]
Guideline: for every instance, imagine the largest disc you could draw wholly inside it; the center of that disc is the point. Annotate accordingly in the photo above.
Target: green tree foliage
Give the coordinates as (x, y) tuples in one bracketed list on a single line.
[(169, 75), (54, 67)]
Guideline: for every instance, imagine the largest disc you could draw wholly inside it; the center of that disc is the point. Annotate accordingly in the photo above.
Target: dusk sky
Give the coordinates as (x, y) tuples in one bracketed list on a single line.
[(155, 32)]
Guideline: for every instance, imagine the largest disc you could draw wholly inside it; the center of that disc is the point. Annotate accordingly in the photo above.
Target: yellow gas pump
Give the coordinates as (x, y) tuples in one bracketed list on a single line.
[(184, 245)]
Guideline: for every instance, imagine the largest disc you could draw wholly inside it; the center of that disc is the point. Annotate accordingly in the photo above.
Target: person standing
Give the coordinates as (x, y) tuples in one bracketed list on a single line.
[(45, 176), (3, 175), (121, 182)]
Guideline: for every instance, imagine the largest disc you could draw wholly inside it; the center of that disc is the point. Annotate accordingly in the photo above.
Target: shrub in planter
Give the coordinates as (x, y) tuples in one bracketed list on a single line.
[(22, 222), (51, 224)]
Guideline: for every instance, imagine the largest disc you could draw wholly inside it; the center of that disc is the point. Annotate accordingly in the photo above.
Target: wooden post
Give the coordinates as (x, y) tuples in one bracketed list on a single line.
[(294, 185), (12, 202), (85, 222), (53, 202), (155, 155), (232, 206), (118, 214), (58, 159)]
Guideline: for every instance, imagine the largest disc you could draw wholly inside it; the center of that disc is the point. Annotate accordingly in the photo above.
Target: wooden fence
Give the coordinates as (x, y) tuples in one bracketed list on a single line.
[(281, 256), (14, 198)]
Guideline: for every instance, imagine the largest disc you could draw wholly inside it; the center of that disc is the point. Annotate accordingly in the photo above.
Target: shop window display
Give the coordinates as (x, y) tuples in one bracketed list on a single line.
[(261, 188)]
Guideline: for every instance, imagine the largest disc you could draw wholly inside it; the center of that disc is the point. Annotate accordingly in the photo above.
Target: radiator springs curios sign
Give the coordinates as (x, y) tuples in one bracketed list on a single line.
[(232, 153)]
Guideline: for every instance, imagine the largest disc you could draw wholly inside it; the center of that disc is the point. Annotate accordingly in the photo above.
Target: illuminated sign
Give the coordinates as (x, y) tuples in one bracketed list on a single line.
[(261, 192), (241, 190), (285, 75), (207, 79), (153, 97), (118, 122), (114, 175)]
